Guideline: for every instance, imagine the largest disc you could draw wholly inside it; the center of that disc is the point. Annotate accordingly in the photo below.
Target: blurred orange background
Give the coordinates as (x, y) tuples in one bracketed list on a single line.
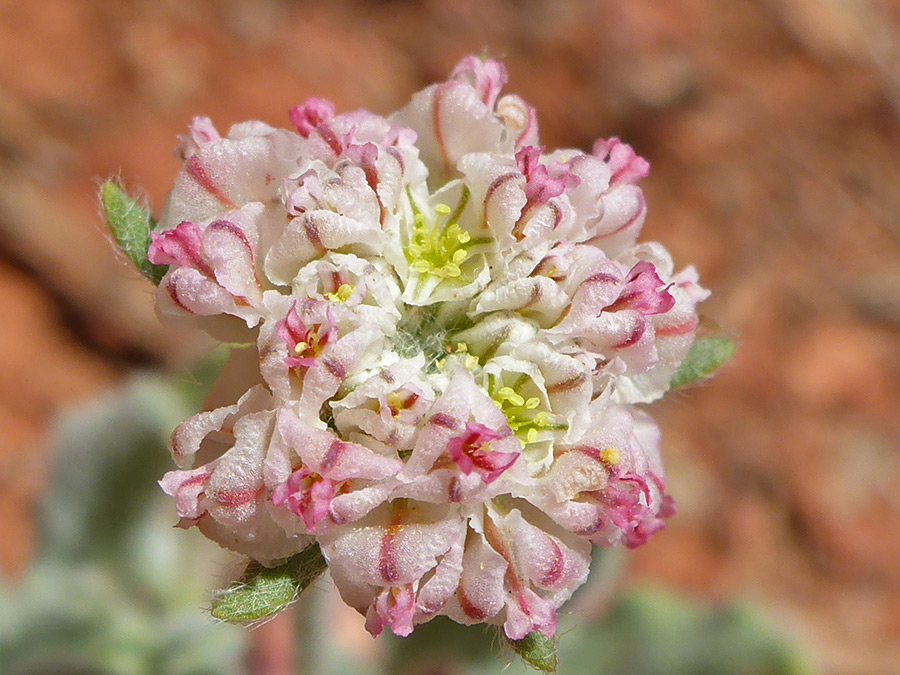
[(773, 131)]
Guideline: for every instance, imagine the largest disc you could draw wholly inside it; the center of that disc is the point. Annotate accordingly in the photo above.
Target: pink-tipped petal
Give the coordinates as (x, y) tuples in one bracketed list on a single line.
[(312, 113), (187, 487), (179, 246), (626, 166), (487, 76)]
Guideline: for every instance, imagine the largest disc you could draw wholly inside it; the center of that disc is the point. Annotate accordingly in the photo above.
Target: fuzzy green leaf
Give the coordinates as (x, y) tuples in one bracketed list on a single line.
[(113, 587), (263, 591), (537, 651), (648, 632), (130, 226), (703, 358)]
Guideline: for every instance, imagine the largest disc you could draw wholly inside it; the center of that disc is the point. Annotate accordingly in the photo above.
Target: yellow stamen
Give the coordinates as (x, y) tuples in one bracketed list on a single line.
[(611, 455), (395, 401), (342, 294), (439, 249)]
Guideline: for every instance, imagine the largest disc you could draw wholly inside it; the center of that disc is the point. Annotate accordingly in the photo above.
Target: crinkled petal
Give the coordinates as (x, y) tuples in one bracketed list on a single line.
[(224, 174), (188, 488), (328, 455), (187, 437), (450, 120)]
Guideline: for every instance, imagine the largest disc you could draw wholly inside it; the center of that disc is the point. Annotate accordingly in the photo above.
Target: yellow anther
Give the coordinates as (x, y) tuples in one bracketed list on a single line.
[(394, 399), (542, 419), (531, 436), (343, 292), (462, 347), (301, 347), (471, 362), (532, 403), (437, 250), (611, 455)]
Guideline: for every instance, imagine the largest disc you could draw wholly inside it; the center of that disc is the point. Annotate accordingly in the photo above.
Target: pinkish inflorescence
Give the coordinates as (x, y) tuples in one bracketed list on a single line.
[(451, 327)]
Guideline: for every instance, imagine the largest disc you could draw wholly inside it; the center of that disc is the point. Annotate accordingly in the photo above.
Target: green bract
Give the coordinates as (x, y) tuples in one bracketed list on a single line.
[(264, 591), (130, 225), (703, 358)]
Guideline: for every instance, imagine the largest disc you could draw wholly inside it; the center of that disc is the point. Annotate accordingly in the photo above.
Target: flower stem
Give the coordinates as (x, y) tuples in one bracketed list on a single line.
[(272, 650)]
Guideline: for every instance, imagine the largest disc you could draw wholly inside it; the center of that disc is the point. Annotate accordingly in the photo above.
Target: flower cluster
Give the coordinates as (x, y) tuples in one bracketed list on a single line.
[(451, 326)]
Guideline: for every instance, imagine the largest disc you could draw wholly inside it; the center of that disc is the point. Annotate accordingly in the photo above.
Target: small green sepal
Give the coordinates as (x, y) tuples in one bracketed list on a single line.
[(130, 225), (264, 591), (703, 358), (537, 651)]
